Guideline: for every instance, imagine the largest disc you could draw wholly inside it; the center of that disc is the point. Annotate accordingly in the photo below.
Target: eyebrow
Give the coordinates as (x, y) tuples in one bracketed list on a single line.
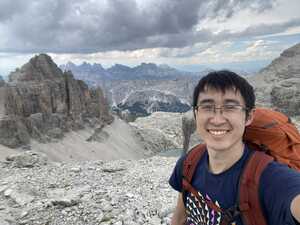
[(232, 101), (205, 101), (212, 101)]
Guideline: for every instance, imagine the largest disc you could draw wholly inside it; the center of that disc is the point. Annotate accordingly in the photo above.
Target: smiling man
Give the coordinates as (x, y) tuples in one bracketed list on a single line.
[(224, 105)]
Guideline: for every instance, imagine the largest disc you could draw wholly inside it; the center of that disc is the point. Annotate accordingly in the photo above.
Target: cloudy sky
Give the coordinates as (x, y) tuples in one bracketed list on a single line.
[(180, 33)]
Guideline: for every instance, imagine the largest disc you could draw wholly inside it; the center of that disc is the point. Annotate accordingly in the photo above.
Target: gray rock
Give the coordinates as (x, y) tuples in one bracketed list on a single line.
[(43, 103), (28, 159), (188, 128), (160, 131), (99, 135), (138, 195), (277, 85), (20, 198), (13, 133), (56, 133), (286, 98), (67, 198), (2, 82)]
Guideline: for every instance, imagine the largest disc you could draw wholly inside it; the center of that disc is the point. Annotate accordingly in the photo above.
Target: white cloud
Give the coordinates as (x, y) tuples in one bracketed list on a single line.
[(132, 31)]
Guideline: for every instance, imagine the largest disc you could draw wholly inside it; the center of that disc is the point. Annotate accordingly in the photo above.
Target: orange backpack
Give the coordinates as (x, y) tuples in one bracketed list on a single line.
[(270, 132)]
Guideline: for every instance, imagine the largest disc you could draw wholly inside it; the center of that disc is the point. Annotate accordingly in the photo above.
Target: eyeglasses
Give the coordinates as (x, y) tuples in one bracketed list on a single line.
[(225, 110)]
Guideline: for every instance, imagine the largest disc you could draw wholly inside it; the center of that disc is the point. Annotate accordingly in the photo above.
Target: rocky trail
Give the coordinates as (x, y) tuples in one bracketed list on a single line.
[(95, 192)]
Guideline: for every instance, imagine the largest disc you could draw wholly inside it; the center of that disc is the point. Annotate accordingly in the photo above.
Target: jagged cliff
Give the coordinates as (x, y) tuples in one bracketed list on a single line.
[(278, 85), (42, 102)]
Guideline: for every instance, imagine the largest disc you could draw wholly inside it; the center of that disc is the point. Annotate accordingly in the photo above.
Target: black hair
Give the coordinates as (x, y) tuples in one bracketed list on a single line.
[(224, 80)]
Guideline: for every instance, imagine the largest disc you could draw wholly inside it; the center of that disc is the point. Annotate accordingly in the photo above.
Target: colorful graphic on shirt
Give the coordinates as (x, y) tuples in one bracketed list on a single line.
[(198, 212)]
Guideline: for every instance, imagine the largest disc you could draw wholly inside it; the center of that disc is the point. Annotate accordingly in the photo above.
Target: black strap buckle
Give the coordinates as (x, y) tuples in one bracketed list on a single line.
[(230, 214)]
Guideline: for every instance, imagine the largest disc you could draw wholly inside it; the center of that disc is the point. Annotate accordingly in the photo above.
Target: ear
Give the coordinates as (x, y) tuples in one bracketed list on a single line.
[(250, 117)]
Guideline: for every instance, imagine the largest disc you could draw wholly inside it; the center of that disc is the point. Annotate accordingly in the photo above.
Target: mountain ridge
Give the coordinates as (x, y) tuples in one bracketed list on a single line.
[(278, 84), (123, 72)]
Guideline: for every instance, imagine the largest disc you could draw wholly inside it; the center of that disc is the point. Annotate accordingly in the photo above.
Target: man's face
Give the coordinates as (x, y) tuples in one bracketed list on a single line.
[(221, 130)]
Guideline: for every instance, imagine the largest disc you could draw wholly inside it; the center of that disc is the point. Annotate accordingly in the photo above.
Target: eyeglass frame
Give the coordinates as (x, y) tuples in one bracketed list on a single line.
[(221, 108)]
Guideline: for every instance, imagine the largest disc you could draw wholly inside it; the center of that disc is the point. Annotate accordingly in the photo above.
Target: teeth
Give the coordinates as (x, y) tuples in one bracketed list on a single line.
[(217, 132)]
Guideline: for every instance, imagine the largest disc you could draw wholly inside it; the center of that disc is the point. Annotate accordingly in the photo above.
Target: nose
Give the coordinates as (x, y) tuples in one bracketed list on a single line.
[(217, 117)]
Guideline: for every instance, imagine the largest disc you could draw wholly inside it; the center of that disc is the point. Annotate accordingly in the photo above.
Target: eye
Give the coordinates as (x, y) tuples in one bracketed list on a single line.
[(230, 107), (207, 108)]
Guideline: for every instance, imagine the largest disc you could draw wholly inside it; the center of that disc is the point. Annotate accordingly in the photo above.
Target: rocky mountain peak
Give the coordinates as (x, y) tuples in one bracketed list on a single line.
[(278, 85), (85, 66), (118, 67), (40, 67), (70, 64), (42, 102), (147, 66), (291, 52)]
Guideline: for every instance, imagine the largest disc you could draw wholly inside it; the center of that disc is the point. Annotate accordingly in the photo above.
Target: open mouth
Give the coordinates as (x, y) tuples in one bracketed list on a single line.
[(218, 132)]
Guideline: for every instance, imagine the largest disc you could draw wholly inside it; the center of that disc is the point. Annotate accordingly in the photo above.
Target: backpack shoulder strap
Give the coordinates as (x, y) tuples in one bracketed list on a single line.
[(249, 201), (189, 165), (191, 161)]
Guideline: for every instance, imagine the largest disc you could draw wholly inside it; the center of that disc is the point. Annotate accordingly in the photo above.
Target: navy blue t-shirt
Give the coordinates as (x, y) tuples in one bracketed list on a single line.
[(278, 186)]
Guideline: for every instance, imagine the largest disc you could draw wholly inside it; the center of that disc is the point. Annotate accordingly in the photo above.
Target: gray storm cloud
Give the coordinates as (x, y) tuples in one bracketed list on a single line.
[(68, 26)]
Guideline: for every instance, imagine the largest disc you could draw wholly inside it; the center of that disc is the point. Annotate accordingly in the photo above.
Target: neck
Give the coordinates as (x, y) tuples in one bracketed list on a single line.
[(219, 161)]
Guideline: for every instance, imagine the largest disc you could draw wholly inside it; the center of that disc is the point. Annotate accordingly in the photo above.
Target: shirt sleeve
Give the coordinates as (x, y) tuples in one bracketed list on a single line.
[(279, 185), (176, 178)]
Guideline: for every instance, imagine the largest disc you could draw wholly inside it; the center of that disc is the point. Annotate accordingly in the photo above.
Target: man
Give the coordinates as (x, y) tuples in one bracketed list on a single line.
[(224, 105)]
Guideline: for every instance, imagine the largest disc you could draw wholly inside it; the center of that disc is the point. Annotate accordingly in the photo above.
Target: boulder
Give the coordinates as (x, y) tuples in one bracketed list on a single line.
[(27, 159), (13, 133)]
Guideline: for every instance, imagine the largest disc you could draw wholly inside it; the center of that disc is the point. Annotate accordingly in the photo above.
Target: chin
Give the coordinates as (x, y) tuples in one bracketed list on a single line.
[(218, 146)]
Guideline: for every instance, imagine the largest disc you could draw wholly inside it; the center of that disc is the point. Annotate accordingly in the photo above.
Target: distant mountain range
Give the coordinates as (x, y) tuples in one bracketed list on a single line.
[(145, 102), (142, 89), (162, 81), (145, 71)]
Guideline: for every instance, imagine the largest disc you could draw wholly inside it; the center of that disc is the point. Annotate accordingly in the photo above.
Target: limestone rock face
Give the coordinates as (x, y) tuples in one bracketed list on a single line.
[(285, 96), (39, 68), (190, 136), (13, 132), (278, 84), (49, 102), (160, 131)]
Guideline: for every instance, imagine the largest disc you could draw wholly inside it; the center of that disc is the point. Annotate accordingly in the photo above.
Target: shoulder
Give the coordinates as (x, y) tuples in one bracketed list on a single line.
[(176, 176), (279, 183), (277, 172)]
